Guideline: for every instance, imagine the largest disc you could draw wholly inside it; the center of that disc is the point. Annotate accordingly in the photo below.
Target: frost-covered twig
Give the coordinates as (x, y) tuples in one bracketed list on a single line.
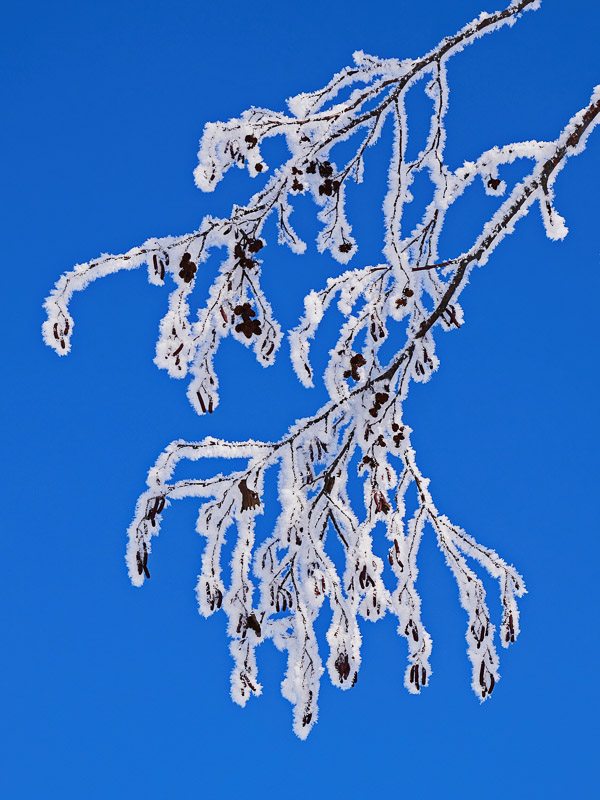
[(278, 587)]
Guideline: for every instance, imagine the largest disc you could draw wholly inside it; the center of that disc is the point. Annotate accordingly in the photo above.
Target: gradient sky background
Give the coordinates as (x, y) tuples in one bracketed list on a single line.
[(110, 691)]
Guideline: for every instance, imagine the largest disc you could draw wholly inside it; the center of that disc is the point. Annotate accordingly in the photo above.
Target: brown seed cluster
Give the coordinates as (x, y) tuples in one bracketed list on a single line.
[(328, 186), (380, 399), (369, 461), (356, 361), (402, 301), (296, 185), (398, 433), (247, 326), (187, 268), (244, 250), (235, 152)]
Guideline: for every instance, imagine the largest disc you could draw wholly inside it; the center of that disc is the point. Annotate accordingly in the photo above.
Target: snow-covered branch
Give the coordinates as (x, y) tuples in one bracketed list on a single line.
[(278, 586)]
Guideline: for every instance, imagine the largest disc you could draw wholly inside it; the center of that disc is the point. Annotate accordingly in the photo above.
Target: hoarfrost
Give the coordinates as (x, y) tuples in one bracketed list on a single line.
[(278, 588)]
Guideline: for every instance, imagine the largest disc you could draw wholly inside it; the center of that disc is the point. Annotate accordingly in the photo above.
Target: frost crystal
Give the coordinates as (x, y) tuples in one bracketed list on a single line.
[(278, 586)]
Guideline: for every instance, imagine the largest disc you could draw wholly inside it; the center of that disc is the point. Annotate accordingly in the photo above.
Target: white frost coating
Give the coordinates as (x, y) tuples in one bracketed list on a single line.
[(278, 587)]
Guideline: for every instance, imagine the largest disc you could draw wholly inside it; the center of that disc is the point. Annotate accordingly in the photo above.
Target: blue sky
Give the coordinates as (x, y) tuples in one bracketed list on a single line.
[(110, 691)]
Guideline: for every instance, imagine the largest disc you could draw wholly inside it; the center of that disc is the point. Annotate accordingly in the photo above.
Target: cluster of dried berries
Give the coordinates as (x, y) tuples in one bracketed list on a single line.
[(187, 268), (399, 436), (369, 461), (402, 301), (380, 399), (296, 185), (247, 326), (243, 248), (357, 360), (329, 186)]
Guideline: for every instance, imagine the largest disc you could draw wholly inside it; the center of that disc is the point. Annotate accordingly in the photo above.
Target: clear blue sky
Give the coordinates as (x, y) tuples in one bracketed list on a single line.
[(112, 692)]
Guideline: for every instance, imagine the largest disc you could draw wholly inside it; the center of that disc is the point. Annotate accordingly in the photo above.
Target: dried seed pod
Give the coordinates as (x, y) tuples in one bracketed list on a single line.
[(253, 624), (250, 498)]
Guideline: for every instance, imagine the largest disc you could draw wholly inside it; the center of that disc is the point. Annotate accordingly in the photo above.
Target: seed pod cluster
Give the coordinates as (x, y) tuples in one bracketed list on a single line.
[(380, 399), (407, 292), (214, 597), (248, 326), (357, 360)]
